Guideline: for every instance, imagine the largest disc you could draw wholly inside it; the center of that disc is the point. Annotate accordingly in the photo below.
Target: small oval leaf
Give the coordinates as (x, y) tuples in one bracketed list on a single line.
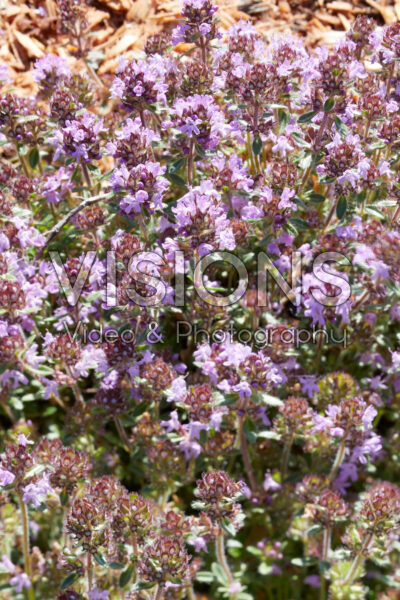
[(69, 580), (341, 208)]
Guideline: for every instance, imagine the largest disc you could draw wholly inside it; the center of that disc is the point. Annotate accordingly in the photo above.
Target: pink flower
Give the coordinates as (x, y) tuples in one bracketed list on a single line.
[(36, 492), (270, 484), (6, 477)]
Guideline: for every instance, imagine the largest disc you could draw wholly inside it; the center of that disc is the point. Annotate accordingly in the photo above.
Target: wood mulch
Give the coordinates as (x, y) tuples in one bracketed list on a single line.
[(28, 30)]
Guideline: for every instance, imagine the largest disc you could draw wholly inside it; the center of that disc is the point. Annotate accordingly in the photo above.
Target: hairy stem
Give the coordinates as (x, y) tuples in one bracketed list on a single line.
[(122, 433), (190, 164), (94, 75), (190, 591), (220, 549), (86, 175), (159, 593), (396, 214), (338, 460), (358, 560), (250, 154), (143, 228), (90, 575), (285, 458), (27, 560), (246, 457), (326, 543), (75, 387), (58, 227)]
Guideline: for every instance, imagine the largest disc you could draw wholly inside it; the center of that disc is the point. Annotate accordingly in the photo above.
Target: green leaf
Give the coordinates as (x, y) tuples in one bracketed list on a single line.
[(35, 470), (307, 116), (249, 431), (203, 436), (63, 498), (219, 573), (265, 569), (283, 118), (145, 585), (314, 529), (33, 157), (270, 400), (116, 565), (297, 137), (341, 208), (23, 149), (257, 145), (329, 104), (126, 576), (176, 179), (317, 197), (371, 210), (200, 150), (269, 435), (341, 127), (299, 223), (204, 577), (324, 566), (228, 527), (69, 580), (304, 562), (99, 558)]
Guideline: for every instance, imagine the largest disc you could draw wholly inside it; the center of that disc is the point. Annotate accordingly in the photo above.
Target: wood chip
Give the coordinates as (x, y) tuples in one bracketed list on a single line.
[(345, 22), (332, 37), (317, 23), (95, 17), (387, 12), (33, 47), (129, 39), (340, 6), (140, 10), (325, 17)]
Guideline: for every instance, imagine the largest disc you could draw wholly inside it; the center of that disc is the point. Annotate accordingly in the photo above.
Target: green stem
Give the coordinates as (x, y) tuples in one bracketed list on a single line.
[(122, 433), (143, 228), (322, 127), (326, 543), (331, 213), (24, 165), (96, 78), (190, 591), (190, 164), (89, 572), (322, 589), (86, 175), (250, 154), (221, 556), (246, 457), (220, 550), (357, 562), (136, 553), (396, 214), (159, 593), (389, 79), (27, 560), (75, 387), (338, 460), (285, 458)]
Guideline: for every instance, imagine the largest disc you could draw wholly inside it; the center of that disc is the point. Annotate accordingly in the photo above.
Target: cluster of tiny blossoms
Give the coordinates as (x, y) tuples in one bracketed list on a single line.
[(199, 318)]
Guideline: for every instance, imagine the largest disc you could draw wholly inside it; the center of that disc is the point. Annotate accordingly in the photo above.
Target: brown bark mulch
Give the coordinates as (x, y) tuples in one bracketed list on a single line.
[(28, 30)]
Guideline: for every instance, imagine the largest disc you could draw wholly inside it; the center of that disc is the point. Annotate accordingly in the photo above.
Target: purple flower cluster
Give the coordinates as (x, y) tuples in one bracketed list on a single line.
[(199, 309)]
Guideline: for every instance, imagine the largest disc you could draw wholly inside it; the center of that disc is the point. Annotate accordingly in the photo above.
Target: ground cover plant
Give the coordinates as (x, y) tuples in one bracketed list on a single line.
[(199, 319)]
